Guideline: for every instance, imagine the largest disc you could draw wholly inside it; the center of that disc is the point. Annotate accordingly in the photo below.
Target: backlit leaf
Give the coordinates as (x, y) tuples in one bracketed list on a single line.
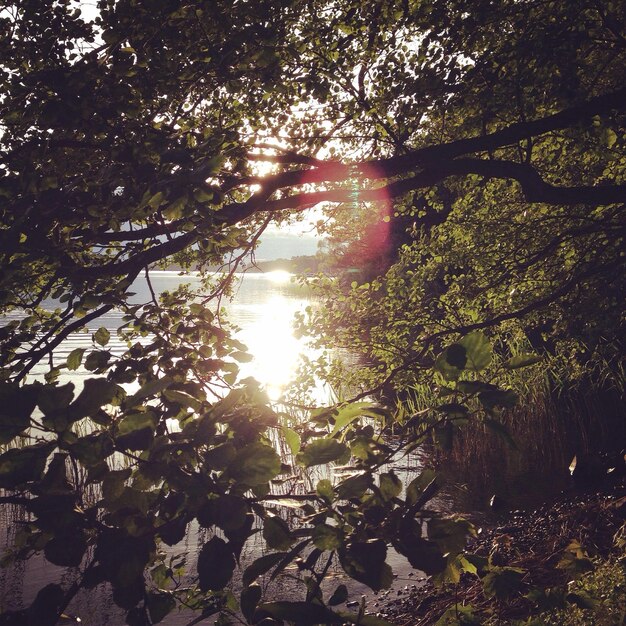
[(292, 438), (478, 351), (321, 451), (522, 360), (75, 358), (503, 582), (256, 464), (102, 336), (365, 561), (276, 533), (327, 537)]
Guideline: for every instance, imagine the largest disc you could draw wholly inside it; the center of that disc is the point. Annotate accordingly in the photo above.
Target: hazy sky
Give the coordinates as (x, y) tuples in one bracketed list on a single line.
[(285, 246)]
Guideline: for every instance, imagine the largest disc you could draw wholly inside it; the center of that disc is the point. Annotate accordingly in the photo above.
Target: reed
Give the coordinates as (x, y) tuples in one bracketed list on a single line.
[(563, 410)]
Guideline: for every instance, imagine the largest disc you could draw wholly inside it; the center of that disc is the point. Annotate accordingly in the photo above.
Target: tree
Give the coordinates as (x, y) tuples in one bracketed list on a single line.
[(131, 140)]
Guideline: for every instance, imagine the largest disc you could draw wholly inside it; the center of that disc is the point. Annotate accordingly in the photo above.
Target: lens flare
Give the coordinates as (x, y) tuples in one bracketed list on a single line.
[(362, 189)]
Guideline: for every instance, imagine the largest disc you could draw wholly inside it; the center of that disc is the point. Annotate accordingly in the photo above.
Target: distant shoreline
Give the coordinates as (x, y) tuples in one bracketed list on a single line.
[(295, 265)]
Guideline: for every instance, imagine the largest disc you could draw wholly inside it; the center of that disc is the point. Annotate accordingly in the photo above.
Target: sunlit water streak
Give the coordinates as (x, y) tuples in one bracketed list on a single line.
[(263, 308)]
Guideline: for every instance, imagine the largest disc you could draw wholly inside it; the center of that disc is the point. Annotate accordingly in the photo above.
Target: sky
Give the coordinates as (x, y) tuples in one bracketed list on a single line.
[(285, 246)]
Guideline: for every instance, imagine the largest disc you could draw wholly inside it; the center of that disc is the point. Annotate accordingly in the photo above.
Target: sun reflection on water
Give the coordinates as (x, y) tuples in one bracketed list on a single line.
[(271, 340), (278, 276)]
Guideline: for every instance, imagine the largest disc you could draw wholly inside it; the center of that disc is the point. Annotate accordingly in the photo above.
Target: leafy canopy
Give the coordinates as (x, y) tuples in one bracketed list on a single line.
[(483, 149)]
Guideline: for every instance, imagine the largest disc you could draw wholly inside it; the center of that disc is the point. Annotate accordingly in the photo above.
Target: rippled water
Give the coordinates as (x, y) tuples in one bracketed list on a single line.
[(263, 308)]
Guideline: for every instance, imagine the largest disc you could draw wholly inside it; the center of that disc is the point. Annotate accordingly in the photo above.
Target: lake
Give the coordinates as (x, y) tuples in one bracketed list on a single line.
[(263, 307)]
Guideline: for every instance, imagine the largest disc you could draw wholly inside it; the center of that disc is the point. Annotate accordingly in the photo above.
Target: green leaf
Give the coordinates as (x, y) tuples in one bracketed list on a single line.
[(216, 565), (459, 615), (114, 483), (12, 425), (250, 597), (390, 486), (92, 449), (97, 360), (456, 356), (255, 464), (348, 413), (202, 195), (156, 200), (262, 565), (219, 457), (302, 613), (45, 608), (324, 489), (451, 362), (175, 210), (52, 374), (474, 564), (503, 582), (96, 393), (365, 561), (160, 605), (611, 137), (242, 357), (321, 451), (75, 358), (66, 549), (53, 399), (449, 534), (276, 533), (583, 600), (136, 431), (478, 351), (102, 336), (16, 407), (547, 599), (327, 537), (19, 466), (467, 566), (472, 352), (182, 398), (292, 438), (422, 554), (575, 561), (55, 481), (522, 360), (418, 486), (229, 512), (149, 390), (494, 398), (354, 487)]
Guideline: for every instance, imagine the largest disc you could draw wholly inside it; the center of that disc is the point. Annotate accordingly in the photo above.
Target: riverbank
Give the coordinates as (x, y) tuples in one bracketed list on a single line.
[(579, 536)]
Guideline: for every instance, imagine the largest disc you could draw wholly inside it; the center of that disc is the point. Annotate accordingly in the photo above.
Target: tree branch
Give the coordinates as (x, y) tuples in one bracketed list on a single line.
[(436, 162)]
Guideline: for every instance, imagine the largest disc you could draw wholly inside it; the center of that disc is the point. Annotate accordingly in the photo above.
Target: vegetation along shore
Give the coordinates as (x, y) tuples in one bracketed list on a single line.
[(463, 167)]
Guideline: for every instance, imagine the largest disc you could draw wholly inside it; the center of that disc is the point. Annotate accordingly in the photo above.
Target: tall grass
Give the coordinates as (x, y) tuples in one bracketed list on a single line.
[(563, 411)]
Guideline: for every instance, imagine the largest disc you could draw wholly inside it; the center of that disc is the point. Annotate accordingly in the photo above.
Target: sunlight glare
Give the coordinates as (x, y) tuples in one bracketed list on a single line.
[(279, 276), (271, 340)]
